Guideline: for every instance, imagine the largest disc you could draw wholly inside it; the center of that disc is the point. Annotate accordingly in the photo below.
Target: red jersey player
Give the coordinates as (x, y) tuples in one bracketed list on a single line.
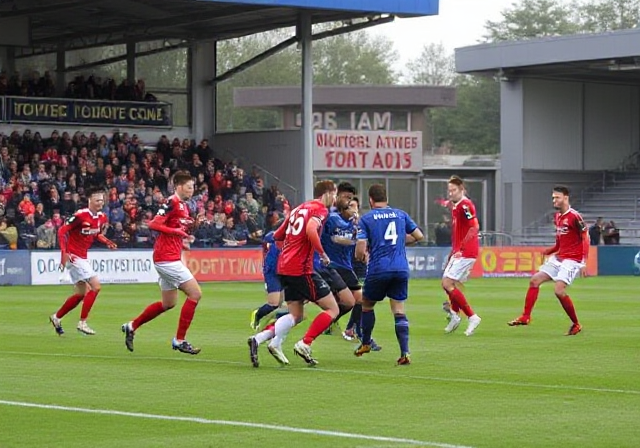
[(301, 235), (75, 238), (172, 222), (463, 256), (568, 259)]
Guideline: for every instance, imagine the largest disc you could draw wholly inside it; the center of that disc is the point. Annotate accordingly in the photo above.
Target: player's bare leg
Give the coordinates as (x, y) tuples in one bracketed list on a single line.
[(560, 290), (322, 321), (530, 299), (193, 292), (402, 331)]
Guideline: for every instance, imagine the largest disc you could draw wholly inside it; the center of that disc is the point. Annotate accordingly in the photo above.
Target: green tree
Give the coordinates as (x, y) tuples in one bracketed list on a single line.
[(354, 58), (597, 16), (473, 126), (433, 67), (532, 18)]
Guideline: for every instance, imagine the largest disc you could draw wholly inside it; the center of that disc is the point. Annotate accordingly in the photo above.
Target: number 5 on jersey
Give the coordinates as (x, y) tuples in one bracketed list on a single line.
[(296, 221)]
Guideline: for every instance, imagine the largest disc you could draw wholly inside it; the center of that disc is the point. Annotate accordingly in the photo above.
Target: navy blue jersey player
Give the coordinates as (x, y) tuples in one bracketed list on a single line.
[(384, 232), (271, 252)]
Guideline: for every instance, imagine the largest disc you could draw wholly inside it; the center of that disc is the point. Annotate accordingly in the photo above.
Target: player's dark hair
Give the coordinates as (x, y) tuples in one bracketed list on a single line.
[(456, 180), (322, 187), (346, 187), (561, 189), (90, 191), (378, 193), (181, 178), (355, 198)]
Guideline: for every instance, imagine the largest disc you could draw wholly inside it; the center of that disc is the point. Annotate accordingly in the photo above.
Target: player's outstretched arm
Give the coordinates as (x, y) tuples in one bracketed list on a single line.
[(313, 235), (552, 250)]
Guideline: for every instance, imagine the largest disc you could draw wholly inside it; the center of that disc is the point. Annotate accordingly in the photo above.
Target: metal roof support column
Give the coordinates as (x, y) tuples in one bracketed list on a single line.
[(304, 33), (131, 63), (61, 65), (202, 69)]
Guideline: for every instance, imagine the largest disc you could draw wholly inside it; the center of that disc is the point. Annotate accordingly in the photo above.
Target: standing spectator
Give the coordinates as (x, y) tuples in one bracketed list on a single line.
[(595, 232), (27, 232), (611, 234), (40, 217)]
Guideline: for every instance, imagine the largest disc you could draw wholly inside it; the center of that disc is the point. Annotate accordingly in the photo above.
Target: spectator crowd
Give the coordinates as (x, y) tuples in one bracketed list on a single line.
[(43, 180), (87, 88)]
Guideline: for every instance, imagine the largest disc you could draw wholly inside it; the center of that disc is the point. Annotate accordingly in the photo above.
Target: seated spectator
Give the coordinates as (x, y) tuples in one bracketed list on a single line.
[(27, 233), (118, 235), (26, 207), (8, 233), (40, 216), (46, 235), (229, 236)]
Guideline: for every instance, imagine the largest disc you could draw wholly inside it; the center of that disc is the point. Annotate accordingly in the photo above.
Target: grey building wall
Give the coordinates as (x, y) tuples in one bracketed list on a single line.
[(279, 152), (560, 132)]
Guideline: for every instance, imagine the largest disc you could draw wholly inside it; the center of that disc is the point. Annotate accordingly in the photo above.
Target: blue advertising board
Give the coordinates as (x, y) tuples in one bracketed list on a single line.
[(618, 260), (86, 112), (427, 262), (402, 7), (15, 267)]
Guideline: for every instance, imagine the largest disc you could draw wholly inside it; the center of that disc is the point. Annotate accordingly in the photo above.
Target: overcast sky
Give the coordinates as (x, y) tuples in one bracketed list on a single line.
[(460, 23)]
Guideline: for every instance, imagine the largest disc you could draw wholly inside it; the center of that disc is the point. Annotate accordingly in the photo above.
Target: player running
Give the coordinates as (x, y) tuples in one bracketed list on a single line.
[(75, 238), (301, 236), (567, 259), (173, 222), (465, 229), (385, 231)]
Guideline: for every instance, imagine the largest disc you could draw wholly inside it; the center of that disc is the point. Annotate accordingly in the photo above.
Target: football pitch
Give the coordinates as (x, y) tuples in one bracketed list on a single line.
[(503, 387)]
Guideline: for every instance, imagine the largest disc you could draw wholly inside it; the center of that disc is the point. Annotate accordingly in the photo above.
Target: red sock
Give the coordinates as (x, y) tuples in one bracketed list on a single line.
[(149, 313), (460, 300), (530, 301), (87, 303), (317, 327), (270, 327), (68, 305), (567, 304), (186, 316)]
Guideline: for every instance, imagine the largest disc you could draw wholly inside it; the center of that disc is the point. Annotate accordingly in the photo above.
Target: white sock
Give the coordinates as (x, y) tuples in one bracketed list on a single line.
[(264, 336), (283, 326)]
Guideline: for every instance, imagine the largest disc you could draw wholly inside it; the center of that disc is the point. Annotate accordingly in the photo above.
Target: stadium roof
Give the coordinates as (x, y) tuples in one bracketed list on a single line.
[(86, 23), (612, 57)]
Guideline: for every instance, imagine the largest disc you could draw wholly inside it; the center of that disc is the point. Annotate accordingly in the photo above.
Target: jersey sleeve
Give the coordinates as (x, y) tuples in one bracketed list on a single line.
[(579, 223), (363, 229), (331, 224), (320, 213), (468, 211), (409, 224)]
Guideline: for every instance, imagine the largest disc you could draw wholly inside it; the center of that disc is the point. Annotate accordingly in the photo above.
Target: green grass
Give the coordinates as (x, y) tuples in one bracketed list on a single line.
[(503, 387)]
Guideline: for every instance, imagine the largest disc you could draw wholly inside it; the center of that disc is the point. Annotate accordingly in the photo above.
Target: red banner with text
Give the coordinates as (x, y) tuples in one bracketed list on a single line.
[(518, 261), (224, 264)]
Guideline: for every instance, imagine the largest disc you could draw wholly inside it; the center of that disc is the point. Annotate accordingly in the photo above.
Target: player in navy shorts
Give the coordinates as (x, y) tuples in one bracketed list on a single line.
[(271, 252), (385, 232)]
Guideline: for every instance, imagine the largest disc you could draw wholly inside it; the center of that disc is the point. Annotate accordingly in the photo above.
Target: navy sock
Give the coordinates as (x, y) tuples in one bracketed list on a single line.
[(356, 316), (402, 333), (368, 322), (264, 310)]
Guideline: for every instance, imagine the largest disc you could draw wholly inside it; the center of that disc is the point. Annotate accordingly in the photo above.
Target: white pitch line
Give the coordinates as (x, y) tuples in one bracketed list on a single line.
[(357, 372), (205, 421)]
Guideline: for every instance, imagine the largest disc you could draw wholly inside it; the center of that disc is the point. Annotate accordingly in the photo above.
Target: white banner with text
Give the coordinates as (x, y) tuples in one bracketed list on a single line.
[(395, 151), (119, 266)]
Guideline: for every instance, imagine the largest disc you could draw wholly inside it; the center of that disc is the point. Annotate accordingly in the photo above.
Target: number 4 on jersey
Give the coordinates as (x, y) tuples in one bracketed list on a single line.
[(391, 234)]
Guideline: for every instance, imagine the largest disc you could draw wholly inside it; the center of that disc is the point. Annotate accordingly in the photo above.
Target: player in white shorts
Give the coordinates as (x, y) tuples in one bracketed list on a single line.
[(75, 238), (172, 222), (567, 260)]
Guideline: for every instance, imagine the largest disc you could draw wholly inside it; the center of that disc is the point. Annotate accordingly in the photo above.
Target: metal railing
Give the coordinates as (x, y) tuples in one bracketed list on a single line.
[(495, 239)]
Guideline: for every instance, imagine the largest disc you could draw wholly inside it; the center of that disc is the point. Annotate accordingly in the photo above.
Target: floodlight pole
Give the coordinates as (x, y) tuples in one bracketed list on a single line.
[(305, 35)]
